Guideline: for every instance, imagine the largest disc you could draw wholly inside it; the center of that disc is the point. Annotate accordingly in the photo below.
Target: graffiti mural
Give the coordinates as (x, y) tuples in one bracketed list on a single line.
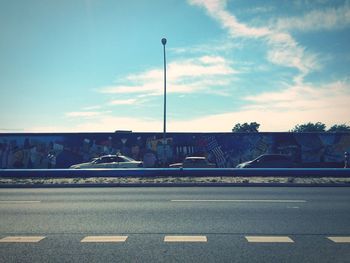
[(61, 150)]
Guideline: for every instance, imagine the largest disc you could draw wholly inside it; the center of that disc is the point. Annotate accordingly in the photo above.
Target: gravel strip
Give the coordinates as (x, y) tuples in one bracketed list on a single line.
[(175, 180)]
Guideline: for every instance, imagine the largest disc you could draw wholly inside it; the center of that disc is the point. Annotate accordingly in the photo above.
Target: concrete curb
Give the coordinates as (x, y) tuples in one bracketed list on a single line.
[(174, 185)]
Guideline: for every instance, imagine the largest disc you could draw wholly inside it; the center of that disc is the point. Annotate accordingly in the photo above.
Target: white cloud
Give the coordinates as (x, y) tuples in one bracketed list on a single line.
[(206, 73), (206, 66), (284, 49), (210, 5), (281, 111), (95, 107), (300, 104), (86, 114), (214, 46), (327, 19), (304, 98), (123, 102), (275, 111), (107, 123), (217, 10)]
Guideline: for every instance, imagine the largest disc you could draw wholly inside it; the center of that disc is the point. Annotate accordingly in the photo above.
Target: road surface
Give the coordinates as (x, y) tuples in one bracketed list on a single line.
[(189, 224)]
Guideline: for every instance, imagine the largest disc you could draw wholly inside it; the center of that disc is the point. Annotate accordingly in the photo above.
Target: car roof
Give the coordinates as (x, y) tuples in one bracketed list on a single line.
[(195, 157), (272, 155), (111, 155), (284, 156), (275, 154)]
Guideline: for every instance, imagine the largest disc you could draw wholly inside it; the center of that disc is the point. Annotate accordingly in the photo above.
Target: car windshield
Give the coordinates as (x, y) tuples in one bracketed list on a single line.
[(269, 158), (195, 160), (111, 159), (126, 159)]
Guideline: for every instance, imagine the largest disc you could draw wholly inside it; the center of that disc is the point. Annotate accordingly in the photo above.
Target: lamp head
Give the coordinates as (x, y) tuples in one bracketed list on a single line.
[(164, 41)]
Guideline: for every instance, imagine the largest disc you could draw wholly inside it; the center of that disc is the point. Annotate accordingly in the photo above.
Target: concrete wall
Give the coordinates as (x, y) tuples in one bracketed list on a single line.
[(60, 150)]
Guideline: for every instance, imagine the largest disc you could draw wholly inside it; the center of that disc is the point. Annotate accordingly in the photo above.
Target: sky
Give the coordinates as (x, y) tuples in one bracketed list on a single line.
[(97, 65)]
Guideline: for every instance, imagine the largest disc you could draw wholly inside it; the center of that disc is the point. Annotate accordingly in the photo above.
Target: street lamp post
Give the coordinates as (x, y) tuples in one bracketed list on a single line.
[(164, 118)]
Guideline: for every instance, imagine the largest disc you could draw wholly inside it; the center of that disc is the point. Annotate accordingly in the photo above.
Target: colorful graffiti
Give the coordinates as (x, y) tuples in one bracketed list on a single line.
[(225, 149)]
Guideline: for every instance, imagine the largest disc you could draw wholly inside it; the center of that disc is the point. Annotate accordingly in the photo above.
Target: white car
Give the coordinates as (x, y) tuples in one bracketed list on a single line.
[(269, 161), (109, 161)]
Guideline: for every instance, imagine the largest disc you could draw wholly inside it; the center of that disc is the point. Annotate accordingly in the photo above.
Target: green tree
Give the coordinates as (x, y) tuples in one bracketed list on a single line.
[(339, 128), (246, 127), (310, 127)]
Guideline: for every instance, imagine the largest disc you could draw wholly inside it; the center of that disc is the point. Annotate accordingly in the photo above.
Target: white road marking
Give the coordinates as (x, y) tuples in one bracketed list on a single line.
[(243, 201), (269, 239), (18, 202), (185, 239), (21, 239), (104, 239), (340, 239)]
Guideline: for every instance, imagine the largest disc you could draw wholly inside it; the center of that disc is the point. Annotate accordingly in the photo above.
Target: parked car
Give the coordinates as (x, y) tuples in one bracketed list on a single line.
[(109, 161), (269, 161), (193, 162)]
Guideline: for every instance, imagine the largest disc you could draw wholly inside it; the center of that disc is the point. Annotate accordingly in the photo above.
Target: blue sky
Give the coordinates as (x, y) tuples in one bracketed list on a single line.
[(97, 65)]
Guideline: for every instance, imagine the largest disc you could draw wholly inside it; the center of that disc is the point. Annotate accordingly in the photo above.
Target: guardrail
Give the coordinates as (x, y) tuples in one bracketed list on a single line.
[(176, 172)]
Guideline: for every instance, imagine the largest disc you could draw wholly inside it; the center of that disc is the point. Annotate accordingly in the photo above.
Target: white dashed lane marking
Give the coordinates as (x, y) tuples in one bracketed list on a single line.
[(104, 239), (173, 238), (185, 239), (269, 239), (21, 239), (18, 202), (244, 201), (340, 239)]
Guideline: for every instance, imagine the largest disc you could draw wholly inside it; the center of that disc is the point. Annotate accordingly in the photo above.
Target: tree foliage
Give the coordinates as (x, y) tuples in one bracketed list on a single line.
[(246, 127), (339, 128), (310, 127), (306, 127), (320, 127)]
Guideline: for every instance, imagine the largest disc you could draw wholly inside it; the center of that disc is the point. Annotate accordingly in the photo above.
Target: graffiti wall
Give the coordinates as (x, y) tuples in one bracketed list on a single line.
[(224, 149)]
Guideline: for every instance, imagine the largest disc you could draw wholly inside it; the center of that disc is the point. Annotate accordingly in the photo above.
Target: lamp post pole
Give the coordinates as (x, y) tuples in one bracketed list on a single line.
[(164, 118)]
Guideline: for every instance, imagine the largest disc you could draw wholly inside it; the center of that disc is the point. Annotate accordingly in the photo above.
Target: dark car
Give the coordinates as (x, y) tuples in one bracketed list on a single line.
[(193, 162), (269, 161)]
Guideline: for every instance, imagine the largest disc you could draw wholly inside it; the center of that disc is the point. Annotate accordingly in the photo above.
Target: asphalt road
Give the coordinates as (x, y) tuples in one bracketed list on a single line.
[(287, 224)]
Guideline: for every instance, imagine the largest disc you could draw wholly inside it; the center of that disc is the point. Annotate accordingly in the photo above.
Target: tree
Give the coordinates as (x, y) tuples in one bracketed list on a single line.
[(246, 127), (310, 127), (339, 128)]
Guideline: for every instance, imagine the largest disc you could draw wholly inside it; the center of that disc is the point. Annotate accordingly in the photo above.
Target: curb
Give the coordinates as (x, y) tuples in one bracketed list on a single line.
[(172, 185)]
